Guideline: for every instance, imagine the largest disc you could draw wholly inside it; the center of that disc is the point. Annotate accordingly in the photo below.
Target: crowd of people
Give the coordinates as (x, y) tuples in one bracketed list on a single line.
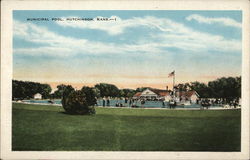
[(206, 102), (141, 103), (122, 102)]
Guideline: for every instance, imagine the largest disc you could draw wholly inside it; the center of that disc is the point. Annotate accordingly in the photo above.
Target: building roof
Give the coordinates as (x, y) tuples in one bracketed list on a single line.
[(187, 93), (137, 94), (160, 92)]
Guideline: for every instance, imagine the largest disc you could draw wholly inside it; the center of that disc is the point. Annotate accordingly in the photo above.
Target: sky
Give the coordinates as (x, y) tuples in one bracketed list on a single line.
[(136, 48)]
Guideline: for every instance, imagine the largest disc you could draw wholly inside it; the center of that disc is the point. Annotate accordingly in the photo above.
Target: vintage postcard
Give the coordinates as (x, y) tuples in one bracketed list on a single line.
[(125, 80)]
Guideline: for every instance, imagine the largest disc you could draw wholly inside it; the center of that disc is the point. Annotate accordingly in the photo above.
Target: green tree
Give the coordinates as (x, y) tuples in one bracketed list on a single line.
[(90, 95), (183, 87), (201, 88), (107, 90), (45, 90), (227, 88), (97, 92), (26, 89), (18, 89), (238, 87), (77, 102), (141, 89), (127, 93), (63, 90)]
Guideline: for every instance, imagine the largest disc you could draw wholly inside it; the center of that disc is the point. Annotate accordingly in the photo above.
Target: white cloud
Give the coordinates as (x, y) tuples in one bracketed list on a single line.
[(167, 33), (223, 21), (55, 44), (113, 27), (173, 34), (51, 51), (108, 26)]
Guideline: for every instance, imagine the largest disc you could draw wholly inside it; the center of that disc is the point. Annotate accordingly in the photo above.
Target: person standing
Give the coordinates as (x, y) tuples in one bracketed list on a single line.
[(163, 104), (142, 103), (130, 102), (126, 100), (103, 102), (108, 102)]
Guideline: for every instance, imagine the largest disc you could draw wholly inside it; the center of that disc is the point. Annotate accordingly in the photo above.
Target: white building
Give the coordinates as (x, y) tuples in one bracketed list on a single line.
[(152, 94), (184, 96), (166, 95), (37, 96)]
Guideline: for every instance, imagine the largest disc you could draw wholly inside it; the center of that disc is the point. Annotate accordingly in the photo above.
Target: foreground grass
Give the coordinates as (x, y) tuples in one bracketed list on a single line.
[(48, 128)]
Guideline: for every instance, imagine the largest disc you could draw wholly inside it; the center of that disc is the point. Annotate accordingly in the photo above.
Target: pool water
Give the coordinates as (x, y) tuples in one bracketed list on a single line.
[(43, 101), (148, 104)]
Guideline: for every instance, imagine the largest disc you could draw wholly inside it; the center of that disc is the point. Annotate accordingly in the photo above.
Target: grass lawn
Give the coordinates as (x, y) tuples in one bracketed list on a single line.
[(48, 128)]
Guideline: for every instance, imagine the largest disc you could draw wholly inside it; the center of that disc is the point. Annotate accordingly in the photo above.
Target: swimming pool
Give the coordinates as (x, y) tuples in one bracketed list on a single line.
[(148, 104), (58, 101)]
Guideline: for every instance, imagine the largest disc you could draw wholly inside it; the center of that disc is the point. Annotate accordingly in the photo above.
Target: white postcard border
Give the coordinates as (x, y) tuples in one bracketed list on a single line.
[(6, 73)]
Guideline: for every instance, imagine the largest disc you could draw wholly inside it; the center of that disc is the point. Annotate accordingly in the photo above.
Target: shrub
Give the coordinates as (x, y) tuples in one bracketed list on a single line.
[(77, 102), (90, 95)]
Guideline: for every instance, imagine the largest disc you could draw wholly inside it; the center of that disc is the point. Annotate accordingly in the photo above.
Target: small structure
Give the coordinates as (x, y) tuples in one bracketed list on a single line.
[(148, 94), (191, 96), (37, 96)]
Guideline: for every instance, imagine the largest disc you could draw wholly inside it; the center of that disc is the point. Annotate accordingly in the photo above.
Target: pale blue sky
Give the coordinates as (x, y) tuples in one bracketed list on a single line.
[(140, 48)]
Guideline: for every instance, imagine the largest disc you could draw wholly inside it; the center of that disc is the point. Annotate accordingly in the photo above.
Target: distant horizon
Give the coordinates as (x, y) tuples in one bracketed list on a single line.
[(79, 85), (132, 48)]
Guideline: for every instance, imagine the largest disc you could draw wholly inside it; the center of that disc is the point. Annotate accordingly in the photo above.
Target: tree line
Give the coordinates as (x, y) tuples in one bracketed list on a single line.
[(26, 89), (100, 90), (225, 87)]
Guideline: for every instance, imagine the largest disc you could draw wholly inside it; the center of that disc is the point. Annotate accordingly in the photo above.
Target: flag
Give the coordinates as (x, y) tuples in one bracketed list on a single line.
[(171, 74)]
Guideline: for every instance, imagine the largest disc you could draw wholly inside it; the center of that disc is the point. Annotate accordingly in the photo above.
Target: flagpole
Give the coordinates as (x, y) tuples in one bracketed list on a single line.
[(173, 83), (172, 74)]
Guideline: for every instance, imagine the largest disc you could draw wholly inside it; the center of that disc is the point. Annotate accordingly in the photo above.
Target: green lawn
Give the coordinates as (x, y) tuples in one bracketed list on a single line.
[(48, 128)]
